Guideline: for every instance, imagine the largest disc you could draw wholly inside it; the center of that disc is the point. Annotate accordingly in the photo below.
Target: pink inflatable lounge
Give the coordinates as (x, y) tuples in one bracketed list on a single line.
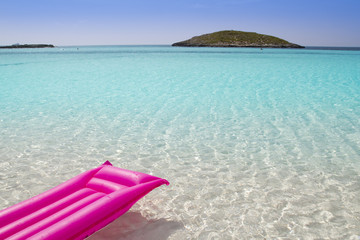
[(78, 207)]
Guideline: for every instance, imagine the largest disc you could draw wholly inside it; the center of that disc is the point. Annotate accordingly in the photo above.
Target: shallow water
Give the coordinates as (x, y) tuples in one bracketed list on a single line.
[(256, 144)]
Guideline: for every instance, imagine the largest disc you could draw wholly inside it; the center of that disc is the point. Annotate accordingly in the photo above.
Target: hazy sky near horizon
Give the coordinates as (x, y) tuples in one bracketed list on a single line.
[(102, 22)]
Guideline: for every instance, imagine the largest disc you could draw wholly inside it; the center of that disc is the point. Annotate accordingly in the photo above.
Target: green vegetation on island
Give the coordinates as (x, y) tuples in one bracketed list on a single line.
[(29, 46), (236, 39)]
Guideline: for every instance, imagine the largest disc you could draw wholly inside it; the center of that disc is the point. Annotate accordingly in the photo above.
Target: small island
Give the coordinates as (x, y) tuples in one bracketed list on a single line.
[(29, 46), (233, 38)]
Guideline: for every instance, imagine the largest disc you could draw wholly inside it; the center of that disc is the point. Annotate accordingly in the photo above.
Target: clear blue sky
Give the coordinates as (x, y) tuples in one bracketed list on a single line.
[(97, 22)]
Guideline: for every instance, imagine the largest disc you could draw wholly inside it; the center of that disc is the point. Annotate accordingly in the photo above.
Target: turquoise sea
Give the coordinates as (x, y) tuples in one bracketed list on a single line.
[(256, 144)]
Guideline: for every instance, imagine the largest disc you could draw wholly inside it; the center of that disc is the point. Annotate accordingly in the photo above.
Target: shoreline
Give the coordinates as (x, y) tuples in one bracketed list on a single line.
[(28, 46)]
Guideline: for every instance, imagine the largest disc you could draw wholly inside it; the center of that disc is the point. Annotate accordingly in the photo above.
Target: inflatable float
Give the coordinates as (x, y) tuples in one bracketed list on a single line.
[(78, 207)]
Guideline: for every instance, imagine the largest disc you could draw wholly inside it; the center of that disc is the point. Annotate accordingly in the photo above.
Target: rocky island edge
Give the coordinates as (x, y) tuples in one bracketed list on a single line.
[(231, 38), (29, 46)]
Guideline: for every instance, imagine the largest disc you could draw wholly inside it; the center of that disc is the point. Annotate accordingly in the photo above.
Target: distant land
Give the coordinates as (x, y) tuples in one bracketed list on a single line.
[(29, 46), (232, 38)]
